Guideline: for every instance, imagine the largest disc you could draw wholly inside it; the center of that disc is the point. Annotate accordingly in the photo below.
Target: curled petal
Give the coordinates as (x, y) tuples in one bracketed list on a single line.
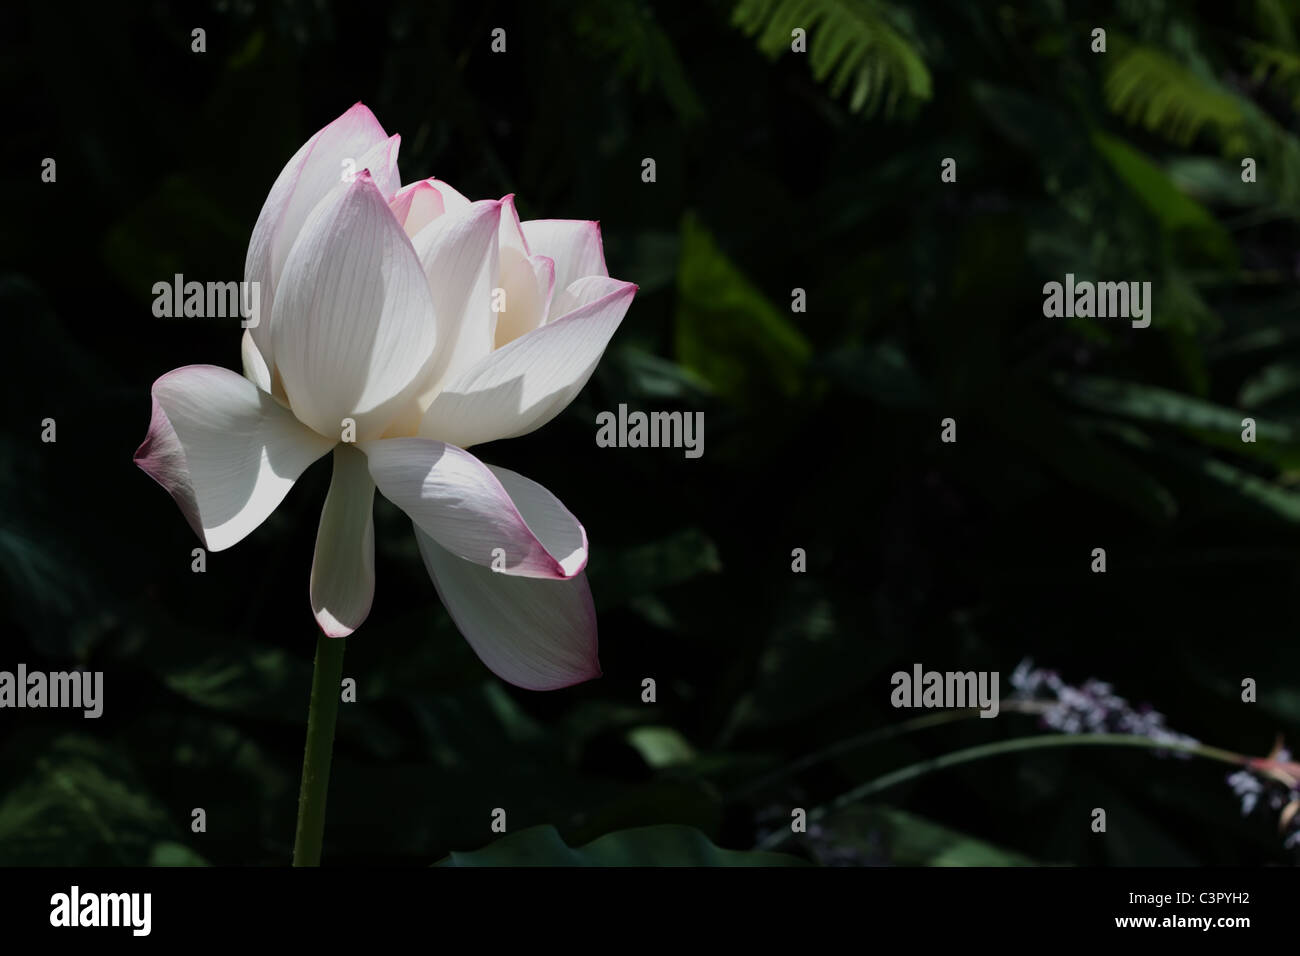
[(224, 449), (488, 516), (573, 244), (522, 386), (533, 633)]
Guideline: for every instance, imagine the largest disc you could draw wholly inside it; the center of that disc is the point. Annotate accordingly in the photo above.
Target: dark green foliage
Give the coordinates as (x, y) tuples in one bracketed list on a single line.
[(775, 171)]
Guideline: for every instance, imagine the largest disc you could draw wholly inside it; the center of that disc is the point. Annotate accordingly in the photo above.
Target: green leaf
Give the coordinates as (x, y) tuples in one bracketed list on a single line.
[(882, 372), (1270, 383), (1153, 404), (910, 840), (643, 846), (80, 804), (175, 854), (627, 30), (236, 676), (726, 330), (861, 44), (1151, 89), (660, 746), (1177, 214)]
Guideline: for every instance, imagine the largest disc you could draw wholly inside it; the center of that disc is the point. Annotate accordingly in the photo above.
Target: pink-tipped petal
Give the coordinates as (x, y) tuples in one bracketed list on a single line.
[(535, 634), (343, 568), (380, 162), (224, 449), (353, 322), (527, 281), (452, 199), (488, 516), (417, 205), (312, 172), (522, 386), (573, 244), (512, 230)]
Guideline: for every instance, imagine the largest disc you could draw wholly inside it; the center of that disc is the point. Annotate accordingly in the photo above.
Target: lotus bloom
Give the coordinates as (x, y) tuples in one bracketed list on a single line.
[(399, 326)]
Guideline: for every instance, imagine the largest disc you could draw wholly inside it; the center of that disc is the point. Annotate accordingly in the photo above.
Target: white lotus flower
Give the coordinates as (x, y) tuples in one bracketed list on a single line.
[(377, 306)]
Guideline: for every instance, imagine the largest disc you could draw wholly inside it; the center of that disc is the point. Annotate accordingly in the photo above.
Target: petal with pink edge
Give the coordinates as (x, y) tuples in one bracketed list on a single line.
[(306, 179), (417, 205), (522, 386), (573, 244), (488, 516), (343, 568), (224, 449), (535, 634)]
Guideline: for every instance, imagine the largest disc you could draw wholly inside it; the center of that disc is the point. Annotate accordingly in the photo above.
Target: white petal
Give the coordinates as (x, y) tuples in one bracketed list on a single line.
[(573, 244), (417, 205), (353, 322), (458, 252), (522, 386), (226, 450), (488, 516), (536, 634), (255, 369), (527, 283), (380, 161), (306, 179), (343, 569), (452, 199)]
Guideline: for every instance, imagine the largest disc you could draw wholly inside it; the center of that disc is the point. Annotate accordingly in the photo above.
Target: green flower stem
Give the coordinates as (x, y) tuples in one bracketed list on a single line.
[(326, 680), (957, 757)]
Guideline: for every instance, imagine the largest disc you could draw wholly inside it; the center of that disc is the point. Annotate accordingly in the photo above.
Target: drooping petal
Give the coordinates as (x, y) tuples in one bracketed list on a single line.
[(533, 633), (226, 450), (343, 569), (306, 179), (488, 516), (458, 252), (522, 386), (573, 244), (353, 321)]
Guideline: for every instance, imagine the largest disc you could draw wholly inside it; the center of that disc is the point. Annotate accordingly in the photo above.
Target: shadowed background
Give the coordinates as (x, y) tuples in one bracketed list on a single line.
[(775, 171)]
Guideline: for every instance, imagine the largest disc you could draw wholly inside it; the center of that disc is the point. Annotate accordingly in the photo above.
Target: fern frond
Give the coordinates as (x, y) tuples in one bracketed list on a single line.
[(1152, 90), (851, 44), (1279, 68), (628, 30)]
